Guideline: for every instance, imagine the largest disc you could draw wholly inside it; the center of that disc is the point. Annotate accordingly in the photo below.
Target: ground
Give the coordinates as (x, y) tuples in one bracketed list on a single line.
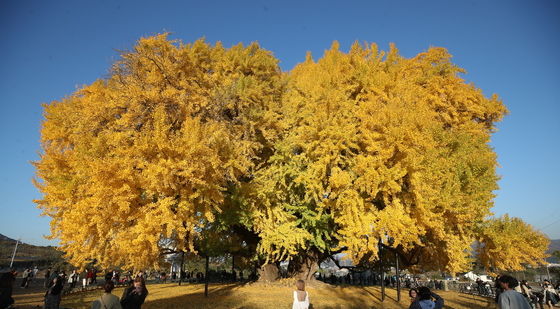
[(162, 296)]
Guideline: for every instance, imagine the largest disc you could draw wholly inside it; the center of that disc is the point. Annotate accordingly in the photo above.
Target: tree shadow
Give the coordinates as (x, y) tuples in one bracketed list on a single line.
[(469, 301), (370, 301), (221, 294)]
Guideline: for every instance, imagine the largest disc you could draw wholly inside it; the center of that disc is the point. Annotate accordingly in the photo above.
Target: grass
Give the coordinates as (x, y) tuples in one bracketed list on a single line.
[(162, 296)]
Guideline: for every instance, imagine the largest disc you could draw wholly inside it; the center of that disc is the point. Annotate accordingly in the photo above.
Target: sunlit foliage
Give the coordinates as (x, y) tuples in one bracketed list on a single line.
[(509, 244), (141, 160), (345, 154), (380, 148)]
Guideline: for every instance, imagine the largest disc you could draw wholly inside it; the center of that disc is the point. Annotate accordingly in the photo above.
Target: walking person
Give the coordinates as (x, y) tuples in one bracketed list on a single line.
[(107, 300), (509, 298), (134, 296), (301, 297), (25, 277)]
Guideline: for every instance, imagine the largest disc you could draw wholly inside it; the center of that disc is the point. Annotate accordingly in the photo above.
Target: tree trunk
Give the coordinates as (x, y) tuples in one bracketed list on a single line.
[(181, 270), (206, 277), (233, 274), (304, 267), (268, 273)]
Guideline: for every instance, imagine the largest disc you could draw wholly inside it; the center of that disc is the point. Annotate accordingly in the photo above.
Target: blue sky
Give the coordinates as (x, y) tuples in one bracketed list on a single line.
[(49, 48)]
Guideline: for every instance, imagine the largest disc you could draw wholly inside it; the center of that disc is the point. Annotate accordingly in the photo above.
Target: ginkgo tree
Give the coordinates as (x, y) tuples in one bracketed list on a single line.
[(379, 151), (509, 244), (194, 147), (137, 164)]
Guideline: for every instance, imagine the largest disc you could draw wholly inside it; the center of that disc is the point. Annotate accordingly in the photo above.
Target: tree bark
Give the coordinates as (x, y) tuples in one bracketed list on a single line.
[(268, 273), (304, 266)]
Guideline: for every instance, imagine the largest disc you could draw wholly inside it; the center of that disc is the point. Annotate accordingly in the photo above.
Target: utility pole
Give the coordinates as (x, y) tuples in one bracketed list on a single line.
[(14, 255), (206, 277), (181, 270), (398, 277), (382, 272)]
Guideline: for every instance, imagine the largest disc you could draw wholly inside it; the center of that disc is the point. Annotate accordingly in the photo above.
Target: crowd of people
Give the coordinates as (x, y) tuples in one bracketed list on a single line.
[(371, 278), (508, 291), (510, 294), (523, 295), (56, 282)]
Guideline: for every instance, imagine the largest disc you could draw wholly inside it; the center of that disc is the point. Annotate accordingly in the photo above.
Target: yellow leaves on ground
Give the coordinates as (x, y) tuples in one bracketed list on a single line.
[(171, 295)]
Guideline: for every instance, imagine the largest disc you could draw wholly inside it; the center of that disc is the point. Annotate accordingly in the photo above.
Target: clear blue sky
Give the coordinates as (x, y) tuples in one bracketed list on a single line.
[(512, 48)]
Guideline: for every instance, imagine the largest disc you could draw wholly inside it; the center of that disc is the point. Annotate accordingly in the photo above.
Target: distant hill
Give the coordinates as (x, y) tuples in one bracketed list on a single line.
[(27, 255), (554, 246), (6, 238)]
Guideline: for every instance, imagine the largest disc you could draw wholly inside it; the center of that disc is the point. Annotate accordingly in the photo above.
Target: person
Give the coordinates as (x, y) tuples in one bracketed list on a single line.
[(89, 276), (29, 277), (54, 294), (509, 298), (107, 300), (301, 297), (413, 294), (115, 277), (25, 276), (73, 279), (109, 276), (498, 289), (47, 276), (6, 289), (134, 296), (53, 275), (424, 300), (527, 291), (94, 276), (550, 295)]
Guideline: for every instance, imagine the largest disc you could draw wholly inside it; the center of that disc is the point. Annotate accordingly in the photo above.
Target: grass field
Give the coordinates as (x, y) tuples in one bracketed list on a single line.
[(260, 296)]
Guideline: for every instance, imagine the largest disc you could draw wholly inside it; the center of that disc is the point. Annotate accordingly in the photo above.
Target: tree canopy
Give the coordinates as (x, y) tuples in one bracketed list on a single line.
[(143, 159), (185, 144), (510, 244)]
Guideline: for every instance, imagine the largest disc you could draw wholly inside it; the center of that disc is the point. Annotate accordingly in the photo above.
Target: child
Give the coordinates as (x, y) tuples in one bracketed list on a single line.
[(301, 297)]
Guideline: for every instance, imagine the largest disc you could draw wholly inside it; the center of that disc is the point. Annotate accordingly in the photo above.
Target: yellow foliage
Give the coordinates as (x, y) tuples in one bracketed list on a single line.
[(340, 154), (138, 163), (393, 150), (509, 244)]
